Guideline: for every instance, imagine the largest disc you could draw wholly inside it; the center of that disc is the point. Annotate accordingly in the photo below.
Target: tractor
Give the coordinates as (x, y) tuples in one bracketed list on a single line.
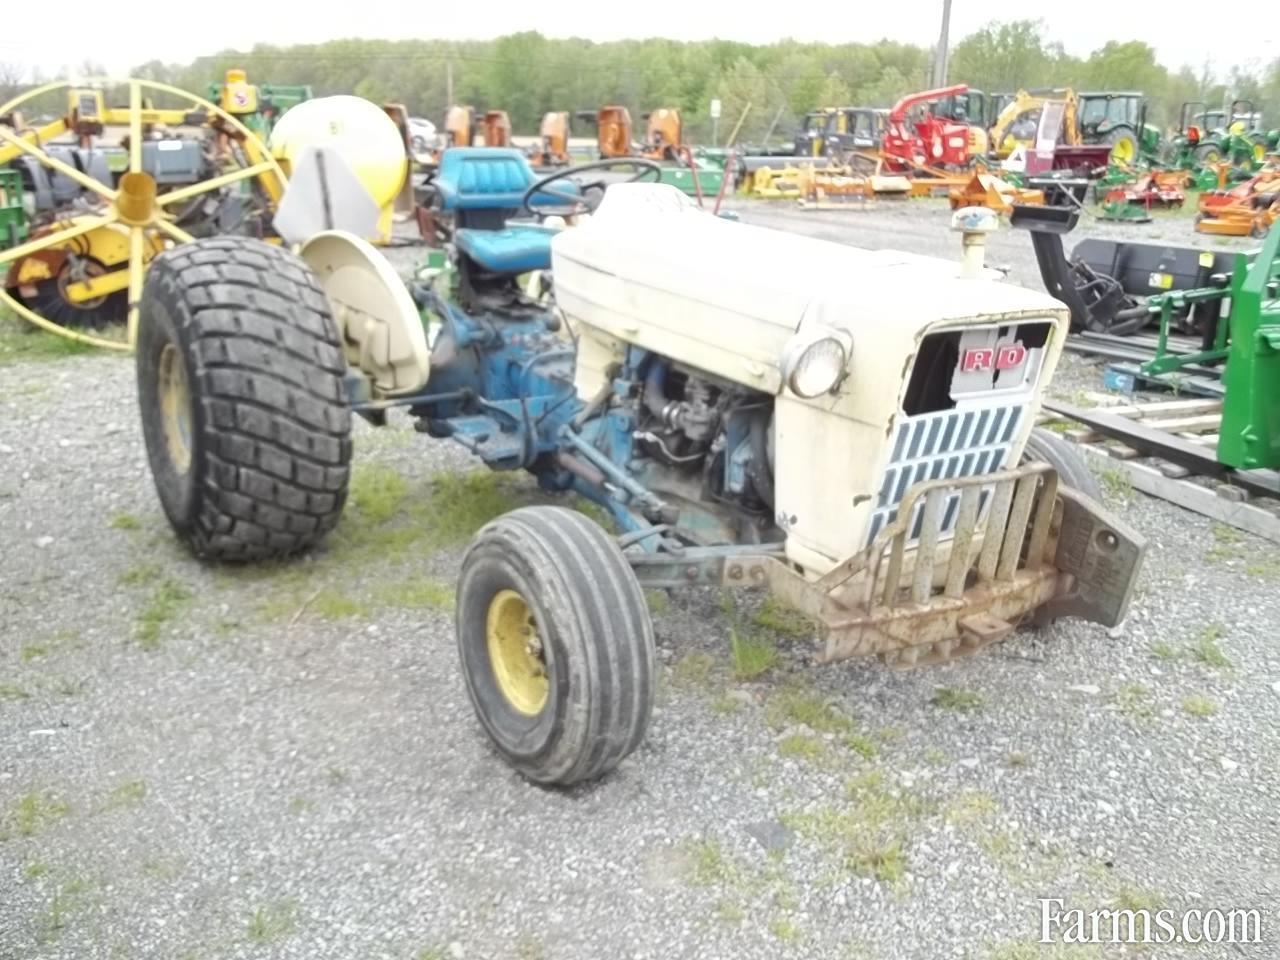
[(1120, 121), (838, 131), (257, 107), (738, 427), (1207, 137)]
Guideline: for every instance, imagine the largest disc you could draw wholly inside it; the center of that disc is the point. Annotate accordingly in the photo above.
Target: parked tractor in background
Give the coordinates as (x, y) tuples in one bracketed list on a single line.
[(259, 106), (1207, 137), (553, 141), (738, 426), (973, 109), (837, 132), (1120, 121)]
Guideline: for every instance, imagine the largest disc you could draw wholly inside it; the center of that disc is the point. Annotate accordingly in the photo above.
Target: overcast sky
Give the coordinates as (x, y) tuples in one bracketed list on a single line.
[(66, 33)]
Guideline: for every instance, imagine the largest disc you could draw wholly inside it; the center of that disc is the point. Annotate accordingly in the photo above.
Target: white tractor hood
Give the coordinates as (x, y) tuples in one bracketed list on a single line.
[(652, 268)]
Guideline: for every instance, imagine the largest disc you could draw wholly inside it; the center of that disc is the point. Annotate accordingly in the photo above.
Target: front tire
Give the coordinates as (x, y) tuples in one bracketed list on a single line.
[(1046, 446), (240, 391), (556, 644)]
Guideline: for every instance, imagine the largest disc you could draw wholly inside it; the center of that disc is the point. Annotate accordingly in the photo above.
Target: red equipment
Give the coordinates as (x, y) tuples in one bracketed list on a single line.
[(925, 140)]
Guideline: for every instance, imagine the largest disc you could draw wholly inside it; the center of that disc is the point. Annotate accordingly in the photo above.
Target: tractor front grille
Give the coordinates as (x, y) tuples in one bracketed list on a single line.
[(944, 445)]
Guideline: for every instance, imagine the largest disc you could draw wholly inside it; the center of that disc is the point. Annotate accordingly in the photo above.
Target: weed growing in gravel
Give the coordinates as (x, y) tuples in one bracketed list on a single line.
[(35, 870), (861, 744), (1002, 848), (1017, 759), (139, 575), (708, 866), (796, 705), (167, 600), (339, 606), (376, 492), (430, 953), (1265, 568), (1162, 651), (1199, 706), (783, 620), (1116, 484), (68, 900), (935, 757), (1139, 898), (801, 746), (300, 805), (883, 861), (730, 913), (43, 648), (752, 655), (1207, 649), (128, 794), (272, 921), (529, 947), (35, 811), (124, 521), (970, 806), (11, 691), (694, 669), (1134, 701), (784, 929), (953, 698), (415, 594), (1227, 541), (657, 601), (724, 705)]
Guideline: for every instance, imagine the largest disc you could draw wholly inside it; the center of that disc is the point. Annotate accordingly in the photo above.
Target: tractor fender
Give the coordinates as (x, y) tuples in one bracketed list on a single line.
[(379, 326)]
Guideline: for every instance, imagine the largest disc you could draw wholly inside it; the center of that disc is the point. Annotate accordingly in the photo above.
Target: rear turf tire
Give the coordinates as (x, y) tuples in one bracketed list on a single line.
[(240, 392), (556, 644), (1046, 446)]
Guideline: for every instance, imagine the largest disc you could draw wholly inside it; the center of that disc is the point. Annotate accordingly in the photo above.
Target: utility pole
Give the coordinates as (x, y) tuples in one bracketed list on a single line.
[(940, 55)]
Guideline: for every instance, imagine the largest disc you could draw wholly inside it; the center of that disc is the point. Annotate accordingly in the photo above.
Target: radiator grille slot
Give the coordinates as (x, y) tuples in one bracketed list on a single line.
[(945, 445)]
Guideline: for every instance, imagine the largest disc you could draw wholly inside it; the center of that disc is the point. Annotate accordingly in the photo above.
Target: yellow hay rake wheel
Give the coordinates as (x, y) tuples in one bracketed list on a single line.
[(134, 213)]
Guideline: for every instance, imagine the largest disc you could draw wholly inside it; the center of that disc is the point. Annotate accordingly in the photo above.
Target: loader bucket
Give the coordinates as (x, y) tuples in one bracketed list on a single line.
[(1039, 219)]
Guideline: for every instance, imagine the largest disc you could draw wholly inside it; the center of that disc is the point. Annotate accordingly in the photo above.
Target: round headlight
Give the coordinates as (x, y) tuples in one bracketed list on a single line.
[(814, 363)]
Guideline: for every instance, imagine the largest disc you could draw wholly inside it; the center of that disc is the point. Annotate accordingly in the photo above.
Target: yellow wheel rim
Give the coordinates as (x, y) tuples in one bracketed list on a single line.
[(515, 652), (1122, 152), (175, 407)]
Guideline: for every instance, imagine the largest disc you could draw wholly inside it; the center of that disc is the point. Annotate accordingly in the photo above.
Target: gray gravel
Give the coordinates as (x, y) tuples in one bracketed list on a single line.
[(199, 763)]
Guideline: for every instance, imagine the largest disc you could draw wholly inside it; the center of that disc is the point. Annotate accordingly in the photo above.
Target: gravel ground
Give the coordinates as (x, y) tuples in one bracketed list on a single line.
[(210, 763)]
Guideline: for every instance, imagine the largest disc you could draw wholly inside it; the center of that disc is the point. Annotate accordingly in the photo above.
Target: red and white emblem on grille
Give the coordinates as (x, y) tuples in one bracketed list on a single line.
[(985, 358)]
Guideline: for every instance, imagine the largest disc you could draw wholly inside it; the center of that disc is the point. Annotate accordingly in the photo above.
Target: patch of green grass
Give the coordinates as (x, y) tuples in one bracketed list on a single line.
[(300, 805), (19, 341), (1017, 759), (68, 900), (415, 594), (724, 705), (1265, 568), (658, 602), (273, 921), (11, 691), (128, 794), (970, 806), (35, 870), (35, 811), (1207, 649), (1199, 706), (1001, 847), (752, 655), (376, 492), (796, 705), (1162, 651), (35, 650), (430, 953), (783, 620), (881, 861), (954, 698), (70, 687), (730, 913), (1227, 544), (167, 600), (338, 606), (861, 744), (140, 575), (124, 521), (708, 866), (695, 669), (1139, 898), (1134, 701), (784, 929), (1116, 483), (935, 757), (801, 746)]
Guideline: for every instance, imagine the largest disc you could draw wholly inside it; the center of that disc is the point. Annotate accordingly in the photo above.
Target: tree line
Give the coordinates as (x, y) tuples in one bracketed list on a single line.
[(769, 88)]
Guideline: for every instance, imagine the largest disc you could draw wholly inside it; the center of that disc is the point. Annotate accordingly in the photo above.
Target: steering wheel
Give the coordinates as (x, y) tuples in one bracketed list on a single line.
[(575, 204)]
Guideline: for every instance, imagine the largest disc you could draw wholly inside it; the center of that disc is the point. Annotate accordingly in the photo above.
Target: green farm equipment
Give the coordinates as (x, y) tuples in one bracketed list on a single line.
[(1120, 120), (257, 107), (13, 215), (1207, 137)]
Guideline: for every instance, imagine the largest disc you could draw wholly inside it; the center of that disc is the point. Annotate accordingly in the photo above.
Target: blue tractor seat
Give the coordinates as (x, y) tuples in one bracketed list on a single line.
[(483, 188), (517, 248)]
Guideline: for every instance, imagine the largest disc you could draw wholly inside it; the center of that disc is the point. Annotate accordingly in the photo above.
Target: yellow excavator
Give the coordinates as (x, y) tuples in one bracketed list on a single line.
[(1017, 123)]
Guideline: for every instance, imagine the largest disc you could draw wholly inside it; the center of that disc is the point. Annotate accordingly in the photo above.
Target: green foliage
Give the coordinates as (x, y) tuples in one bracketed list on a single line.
[(124, 521), (273, 921), (19, 341), (168, 598), (953, 698), (752, 655), (784, 929), (1199, 706), (35, 811), (127, 794), (783, 620), (1208, 650), (694, 669), (801, 746), (796, 705)]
